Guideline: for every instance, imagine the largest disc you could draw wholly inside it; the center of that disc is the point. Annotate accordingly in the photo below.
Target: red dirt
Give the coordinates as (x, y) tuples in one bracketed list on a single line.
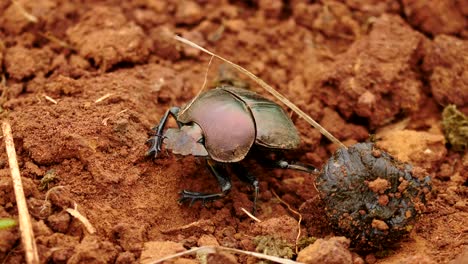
[(113, 70)]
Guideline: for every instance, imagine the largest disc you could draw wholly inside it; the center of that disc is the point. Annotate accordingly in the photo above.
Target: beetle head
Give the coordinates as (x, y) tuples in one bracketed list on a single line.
[(185, 140)]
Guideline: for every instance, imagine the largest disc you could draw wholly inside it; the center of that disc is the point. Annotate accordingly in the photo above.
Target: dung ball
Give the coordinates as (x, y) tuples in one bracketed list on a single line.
[(370, 197)]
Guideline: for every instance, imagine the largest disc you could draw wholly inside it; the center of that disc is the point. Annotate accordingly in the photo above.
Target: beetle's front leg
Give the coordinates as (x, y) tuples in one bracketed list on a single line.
[(157, 140)]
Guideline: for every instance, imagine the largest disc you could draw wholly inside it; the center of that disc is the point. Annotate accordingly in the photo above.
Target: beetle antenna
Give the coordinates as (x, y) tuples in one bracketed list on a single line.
[(202, 88), (270, 89)]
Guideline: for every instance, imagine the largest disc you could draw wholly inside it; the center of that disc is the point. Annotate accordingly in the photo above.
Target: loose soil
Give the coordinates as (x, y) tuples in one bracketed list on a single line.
[(83, 83)]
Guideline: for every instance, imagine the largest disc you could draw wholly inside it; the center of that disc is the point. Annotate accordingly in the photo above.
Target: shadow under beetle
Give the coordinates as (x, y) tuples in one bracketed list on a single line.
[(223, 124)]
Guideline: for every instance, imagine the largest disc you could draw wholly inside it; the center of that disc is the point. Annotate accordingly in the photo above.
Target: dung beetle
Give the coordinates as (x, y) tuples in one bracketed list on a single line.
[(223, 125)]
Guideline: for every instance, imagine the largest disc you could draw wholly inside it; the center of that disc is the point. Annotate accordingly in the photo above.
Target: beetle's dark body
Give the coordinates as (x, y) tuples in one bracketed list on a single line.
[(223, 124), (233, 119)]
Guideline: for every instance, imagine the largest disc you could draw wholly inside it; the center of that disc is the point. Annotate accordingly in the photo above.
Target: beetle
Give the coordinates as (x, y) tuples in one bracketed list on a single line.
[(223, 125)]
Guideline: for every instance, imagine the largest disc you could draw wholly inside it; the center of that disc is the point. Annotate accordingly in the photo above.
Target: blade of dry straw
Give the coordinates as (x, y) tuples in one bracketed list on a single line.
[(298, 221), (201, 90), (75, 213), (270, 89), (25, 13), (27, 235), (215, 249)]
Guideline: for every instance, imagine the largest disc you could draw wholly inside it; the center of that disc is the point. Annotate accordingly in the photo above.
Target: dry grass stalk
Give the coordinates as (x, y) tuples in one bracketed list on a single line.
[(216, 249), (102, 98), (298, 221), (27, 234), (50, 99), (74, 212), (201, 90), (49, 36), (25, 13), (46, 200), (2, 77), (270, 89), (105, 120), (250, 215)]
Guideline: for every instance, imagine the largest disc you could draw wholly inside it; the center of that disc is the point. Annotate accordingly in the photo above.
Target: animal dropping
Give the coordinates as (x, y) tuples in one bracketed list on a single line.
[(371, 197)]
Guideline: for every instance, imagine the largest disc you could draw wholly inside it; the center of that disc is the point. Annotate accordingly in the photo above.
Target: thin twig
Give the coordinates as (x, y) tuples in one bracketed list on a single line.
[(270, 89), (9, 253), (27, 234), (48, 98), (250, 215), (298, 222), (102, 98), (44, 206), (215, 249), (25, 13), (74, 212), (4, 89), (54, 39), (2, 77), (104, 121), (201, 90)]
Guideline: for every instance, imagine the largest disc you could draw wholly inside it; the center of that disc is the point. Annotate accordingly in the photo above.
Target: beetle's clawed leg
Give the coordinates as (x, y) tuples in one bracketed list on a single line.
[(197, 196), (296, 166), (256, 191), (156, 143), (245, 176), (220, 174), (157, 140)]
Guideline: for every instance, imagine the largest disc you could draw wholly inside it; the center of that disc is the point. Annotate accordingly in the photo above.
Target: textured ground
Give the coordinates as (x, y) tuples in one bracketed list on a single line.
[(111, 69)]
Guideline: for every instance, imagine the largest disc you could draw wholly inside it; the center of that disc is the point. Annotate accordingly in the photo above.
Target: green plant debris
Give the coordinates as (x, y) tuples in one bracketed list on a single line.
[(455, 125), (6, 223), (273, 246), (384, 253), (305, 242), (202, 257), (49, 177)]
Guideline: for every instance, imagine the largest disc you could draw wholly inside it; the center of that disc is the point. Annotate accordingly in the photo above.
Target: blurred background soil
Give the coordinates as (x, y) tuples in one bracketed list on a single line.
[(83, 82)]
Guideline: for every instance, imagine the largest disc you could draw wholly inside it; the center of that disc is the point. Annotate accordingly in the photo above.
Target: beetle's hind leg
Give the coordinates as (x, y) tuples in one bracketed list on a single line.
[(282, 164), (224, 182), (244, 175), (157, 139)]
